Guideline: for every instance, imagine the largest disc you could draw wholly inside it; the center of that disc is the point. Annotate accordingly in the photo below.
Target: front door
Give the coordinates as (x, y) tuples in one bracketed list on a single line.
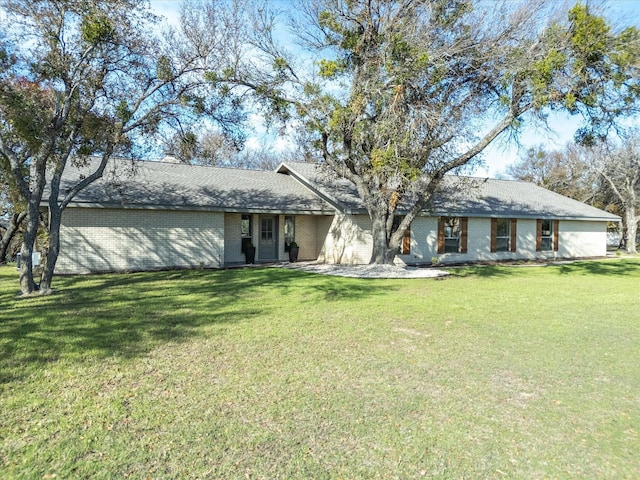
[(268, 243)]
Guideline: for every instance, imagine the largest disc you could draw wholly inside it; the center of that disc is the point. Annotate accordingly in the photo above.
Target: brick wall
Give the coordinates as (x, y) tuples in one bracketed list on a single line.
[(306, 237), (348, 240), (94, 240)]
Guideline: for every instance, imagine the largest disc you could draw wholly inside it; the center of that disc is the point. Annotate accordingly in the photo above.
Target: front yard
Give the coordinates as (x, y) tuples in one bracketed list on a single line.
[(493, 372)]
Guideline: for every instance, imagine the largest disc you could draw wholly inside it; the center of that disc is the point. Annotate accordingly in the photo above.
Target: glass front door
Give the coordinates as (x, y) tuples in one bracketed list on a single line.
[(268, 246)]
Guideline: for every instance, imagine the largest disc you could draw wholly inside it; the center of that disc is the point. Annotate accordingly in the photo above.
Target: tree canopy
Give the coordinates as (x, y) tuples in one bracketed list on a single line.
[(605, 175), (618, 165), (81, 78), (402, 92)]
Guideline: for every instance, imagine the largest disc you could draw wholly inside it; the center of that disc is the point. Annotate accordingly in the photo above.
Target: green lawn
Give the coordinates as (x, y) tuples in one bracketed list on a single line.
[(493, 372)]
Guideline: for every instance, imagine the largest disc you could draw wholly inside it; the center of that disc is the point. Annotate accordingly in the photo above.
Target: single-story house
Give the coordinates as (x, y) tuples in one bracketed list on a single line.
[(148, 215)]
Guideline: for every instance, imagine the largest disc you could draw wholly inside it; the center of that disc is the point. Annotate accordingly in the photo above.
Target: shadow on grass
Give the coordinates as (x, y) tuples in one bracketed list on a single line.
[(610, 267), (483, 271), (580, 267), (127, 315)]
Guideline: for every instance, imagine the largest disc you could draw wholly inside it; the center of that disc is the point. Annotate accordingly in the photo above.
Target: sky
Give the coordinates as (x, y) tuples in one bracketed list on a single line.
[(499, 154)]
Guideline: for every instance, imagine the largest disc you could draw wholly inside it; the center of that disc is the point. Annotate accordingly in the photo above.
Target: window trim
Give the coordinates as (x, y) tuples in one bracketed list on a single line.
[(553, 235), (267, 229), (462, 237), (247, 239), (512, 224), (405, 248), (289, 236)]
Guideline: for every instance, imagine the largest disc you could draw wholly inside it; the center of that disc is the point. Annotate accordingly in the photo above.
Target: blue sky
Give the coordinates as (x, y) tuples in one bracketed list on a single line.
[(498, 155)]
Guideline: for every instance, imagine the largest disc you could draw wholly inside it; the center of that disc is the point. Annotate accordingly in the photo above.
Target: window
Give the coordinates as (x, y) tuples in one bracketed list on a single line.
[(289, 231), (547, 235), (405, 246), (246, 229), (452, 234), (266, 230), (503, 234)]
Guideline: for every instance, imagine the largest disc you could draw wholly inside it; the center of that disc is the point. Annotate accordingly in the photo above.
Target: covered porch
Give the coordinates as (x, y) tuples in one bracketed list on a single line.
[(266, 236)]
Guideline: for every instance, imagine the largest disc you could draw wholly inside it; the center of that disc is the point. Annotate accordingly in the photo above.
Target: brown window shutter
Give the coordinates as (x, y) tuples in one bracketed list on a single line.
[(538, 235), (406, 242), (514, 235), (556, 227), (494, 234), (464, 223), (440, 235)]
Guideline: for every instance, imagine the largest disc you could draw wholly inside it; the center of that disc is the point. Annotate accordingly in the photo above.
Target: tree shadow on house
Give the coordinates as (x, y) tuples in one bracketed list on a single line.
[(129, 315)]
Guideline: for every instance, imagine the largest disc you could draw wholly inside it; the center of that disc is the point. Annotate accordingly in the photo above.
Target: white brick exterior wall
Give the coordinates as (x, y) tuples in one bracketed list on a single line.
[(323, 225), (582, 239), (306, 236), (94, 240), (349, 241)]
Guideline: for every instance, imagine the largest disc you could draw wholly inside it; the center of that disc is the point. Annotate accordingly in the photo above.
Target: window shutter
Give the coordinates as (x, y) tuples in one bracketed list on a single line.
[(406, 242), (494, 235), (464, 222), (556, 227), (538, 235), (514, 234), (440, 234)]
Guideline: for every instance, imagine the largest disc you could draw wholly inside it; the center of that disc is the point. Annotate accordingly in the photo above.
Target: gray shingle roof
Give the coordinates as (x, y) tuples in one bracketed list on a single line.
[(509, 198), (147, 184), (468, 196), (298, 187)]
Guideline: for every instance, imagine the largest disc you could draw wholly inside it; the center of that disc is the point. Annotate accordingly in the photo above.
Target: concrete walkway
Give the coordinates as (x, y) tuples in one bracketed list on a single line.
[(367, 271)]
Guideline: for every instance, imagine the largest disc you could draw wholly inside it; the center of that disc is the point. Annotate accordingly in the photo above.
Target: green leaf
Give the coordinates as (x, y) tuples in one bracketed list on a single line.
[(123, 113), (96, 28)]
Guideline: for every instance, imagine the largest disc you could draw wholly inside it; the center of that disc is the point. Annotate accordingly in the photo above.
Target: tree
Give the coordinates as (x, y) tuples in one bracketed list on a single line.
[(204, 147), (90, 78), (11, 210), (605, 175), (9, 233), (563, 171), (619, 166), (14, 219), (212, 147), (400, 93)]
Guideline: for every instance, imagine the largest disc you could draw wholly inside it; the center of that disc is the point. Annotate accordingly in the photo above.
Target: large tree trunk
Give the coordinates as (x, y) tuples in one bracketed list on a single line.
[(38, 180), (383, 252), (632, 228), (27, 283), (7, 237), (55, 217)]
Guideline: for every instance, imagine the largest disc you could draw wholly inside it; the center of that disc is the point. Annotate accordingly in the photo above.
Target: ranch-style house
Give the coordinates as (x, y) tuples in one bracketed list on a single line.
[(147, 215)]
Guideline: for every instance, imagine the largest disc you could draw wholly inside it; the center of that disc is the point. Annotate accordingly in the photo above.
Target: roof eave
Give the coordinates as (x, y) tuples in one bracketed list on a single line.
[(533, 216), (202, 208)]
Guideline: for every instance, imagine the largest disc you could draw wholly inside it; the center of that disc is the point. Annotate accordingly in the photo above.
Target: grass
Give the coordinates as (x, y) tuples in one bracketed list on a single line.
[(494, 372)]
